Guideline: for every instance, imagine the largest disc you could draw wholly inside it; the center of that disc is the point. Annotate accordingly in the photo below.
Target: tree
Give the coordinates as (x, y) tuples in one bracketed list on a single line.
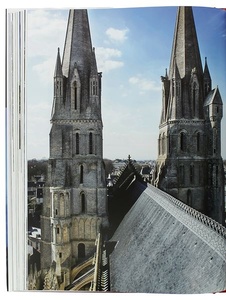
[(108, 166)]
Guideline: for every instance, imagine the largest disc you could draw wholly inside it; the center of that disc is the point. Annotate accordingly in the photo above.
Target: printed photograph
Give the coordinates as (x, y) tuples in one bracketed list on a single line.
[(126, 149)]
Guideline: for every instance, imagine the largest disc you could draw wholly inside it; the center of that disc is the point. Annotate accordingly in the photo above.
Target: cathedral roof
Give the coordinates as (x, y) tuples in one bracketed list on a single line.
[(165, 246), (185, 52)]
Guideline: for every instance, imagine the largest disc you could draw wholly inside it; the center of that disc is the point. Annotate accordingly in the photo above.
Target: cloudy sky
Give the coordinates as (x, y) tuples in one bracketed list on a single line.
[(133, 48)]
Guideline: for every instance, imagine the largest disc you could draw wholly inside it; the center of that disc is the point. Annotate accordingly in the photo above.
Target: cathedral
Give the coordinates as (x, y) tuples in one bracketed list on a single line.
[(164, 237), (189, 164)]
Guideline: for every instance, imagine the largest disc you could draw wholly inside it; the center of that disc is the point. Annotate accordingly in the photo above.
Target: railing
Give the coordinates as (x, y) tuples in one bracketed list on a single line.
[(220, 229)]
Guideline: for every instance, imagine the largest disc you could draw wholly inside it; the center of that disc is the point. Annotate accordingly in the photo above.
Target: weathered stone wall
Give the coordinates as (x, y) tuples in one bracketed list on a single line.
[(164, 246)]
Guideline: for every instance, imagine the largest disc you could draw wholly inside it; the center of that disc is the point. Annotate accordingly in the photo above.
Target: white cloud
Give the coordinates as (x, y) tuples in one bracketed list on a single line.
[(144, 84), (45, 70), (46, 32), (108, 59), (117, 35)]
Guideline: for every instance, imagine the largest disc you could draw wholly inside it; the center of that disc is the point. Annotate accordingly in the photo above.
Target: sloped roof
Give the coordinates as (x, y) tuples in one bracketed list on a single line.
[(164, 246), (213, 97)]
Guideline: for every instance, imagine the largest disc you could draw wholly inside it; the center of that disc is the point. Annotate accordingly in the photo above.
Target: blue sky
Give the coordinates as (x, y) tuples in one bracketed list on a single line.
[(133, 48)]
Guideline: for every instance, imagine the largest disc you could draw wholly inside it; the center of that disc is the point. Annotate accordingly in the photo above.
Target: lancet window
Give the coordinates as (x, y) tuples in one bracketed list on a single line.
[(81, 250), (191, 173), (90, 143), (81, 174), (83, 203), (94, 87), (183, 141), (77, 143)]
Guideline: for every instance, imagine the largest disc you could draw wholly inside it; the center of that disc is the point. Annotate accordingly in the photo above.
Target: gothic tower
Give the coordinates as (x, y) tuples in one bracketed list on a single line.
[(189, 164), (74, 206)]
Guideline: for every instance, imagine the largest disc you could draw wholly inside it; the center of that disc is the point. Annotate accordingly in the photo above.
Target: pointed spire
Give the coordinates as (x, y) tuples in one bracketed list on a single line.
[(185, 45), (78, 46), (58, 67), (207, 79), (206, 72)]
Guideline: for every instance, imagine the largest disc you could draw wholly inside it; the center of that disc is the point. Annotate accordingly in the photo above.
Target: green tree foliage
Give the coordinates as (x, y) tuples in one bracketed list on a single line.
[(37, 167), (108, 166)]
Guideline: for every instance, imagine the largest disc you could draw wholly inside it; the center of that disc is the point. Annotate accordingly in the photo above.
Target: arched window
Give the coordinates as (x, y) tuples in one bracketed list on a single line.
[(77, 143), (189, 198), (83, 203), (183, 141), (81, 250), (62, 204), (198, 141), (94, 87), (81, 174), (194, 95), (90, 143), (214, 139), (75, 96), (191, 173), (181, 174)]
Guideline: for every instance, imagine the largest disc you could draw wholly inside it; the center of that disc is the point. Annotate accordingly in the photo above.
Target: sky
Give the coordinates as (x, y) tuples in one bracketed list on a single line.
[(133, 48)]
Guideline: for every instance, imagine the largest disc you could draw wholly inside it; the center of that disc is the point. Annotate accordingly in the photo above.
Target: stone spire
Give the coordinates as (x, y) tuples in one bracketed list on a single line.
[(185, 49), (207, 79), (78, 46), (185, 73), (58, 87), (58, 67), (79, 69)]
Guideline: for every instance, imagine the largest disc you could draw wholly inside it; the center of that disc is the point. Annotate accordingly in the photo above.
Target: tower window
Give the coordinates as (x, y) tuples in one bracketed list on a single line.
[(191, 173), (58, 230), (90, 143), (81, 174), (77, 143), (81, 250), (182, 141), (189, 198), (182, 174), (75, 96), (60, 254), (216, 176), (83, 203), (94, 88), (194, 96), (178, 88), (198, 141)]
